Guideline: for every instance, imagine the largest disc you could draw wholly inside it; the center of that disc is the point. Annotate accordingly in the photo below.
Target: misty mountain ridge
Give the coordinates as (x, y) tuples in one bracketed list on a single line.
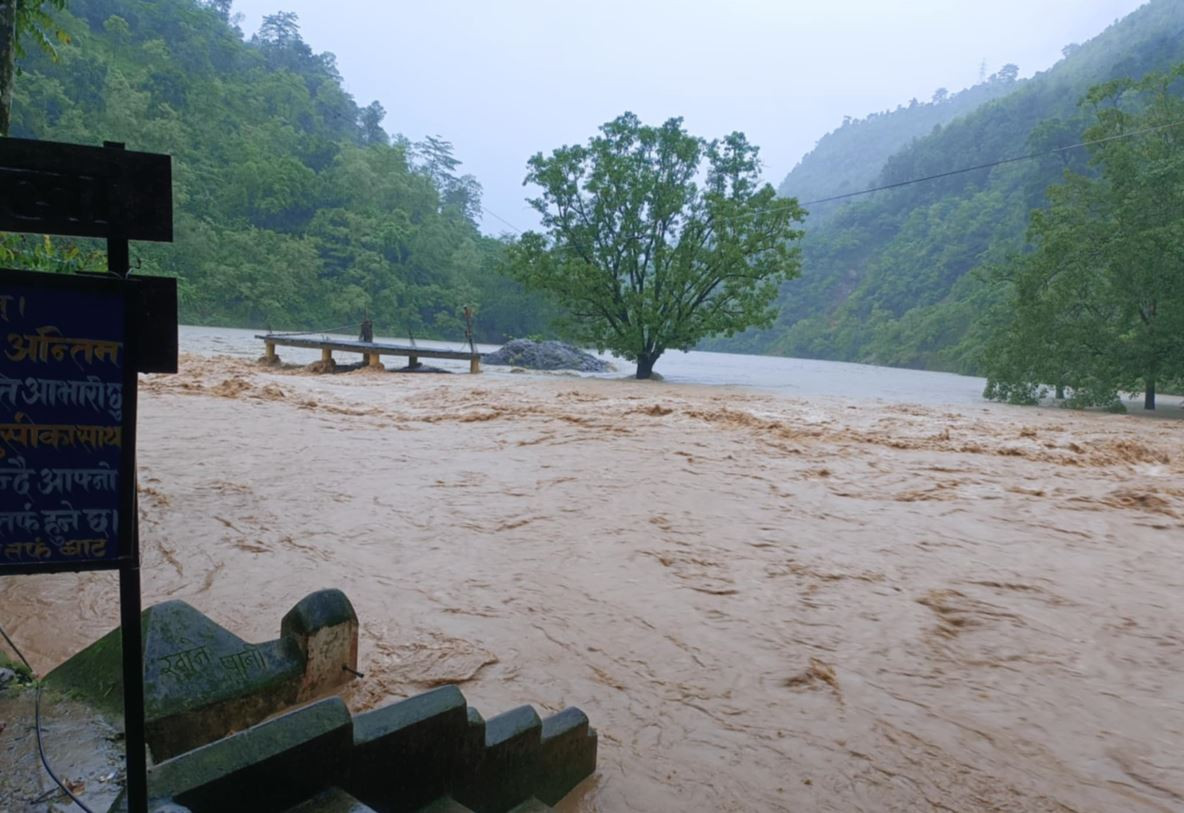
[(851, 157), (887, 278)]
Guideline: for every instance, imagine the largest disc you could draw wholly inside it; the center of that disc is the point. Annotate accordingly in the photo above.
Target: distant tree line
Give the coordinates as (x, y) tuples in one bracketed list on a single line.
[(905, 277), (294, 206), (1096, 307)]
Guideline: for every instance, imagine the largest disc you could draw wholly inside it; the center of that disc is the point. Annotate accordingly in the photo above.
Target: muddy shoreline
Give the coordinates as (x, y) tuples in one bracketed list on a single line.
[(762, 603)]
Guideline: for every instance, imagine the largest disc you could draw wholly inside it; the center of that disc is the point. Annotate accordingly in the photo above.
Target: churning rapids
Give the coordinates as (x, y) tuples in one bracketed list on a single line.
[(764, 600)]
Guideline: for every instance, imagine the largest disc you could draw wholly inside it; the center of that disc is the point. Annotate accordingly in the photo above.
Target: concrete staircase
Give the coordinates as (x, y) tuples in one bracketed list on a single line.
[(431, 752)]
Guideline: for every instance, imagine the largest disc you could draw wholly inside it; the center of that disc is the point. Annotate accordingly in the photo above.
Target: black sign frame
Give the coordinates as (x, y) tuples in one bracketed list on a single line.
[(107, 192), (82, 191)]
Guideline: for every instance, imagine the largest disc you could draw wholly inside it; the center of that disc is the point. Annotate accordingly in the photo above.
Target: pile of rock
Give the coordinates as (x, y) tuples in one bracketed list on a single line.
[(546, 356)]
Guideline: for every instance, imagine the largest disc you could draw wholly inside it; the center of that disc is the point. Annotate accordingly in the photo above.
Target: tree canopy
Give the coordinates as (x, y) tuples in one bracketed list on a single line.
[(294, 207), (1097, 307), (656, 238), (20, 19), (896, 277)]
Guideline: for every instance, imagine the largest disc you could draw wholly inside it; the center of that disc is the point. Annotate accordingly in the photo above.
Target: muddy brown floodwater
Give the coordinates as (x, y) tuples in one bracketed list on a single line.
[(762, 603)]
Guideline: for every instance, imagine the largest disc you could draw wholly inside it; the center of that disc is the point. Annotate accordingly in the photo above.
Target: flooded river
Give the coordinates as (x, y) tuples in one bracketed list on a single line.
[(771, 374), (768, 591)]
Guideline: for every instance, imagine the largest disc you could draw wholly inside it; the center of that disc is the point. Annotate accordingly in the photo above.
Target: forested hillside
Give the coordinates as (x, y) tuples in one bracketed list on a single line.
[(294, 208), (851, 157), (899, 277)]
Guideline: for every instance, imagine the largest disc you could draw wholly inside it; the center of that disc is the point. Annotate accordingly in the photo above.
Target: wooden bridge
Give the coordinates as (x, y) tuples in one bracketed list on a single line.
[(372, 352)]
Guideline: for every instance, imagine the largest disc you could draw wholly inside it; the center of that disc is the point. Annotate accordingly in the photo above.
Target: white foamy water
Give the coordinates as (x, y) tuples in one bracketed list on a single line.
[(800, 378)]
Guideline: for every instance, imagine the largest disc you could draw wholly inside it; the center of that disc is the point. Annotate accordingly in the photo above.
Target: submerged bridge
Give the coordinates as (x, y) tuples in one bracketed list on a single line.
[(372, 352)]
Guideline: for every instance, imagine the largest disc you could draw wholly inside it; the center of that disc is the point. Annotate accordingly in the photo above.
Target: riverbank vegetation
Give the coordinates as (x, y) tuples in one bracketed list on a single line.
[(1097, 306), (294, 207), (902, 277)]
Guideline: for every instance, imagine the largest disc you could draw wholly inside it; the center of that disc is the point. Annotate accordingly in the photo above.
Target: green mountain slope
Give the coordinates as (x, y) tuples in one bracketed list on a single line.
[(851, 157), (293, 207), (888, 278)]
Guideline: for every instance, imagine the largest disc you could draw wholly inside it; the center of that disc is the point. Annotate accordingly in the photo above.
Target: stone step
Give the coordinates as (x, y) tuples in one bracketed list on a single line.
[(532, 806), (430, 752), (449, 805), (333, 800), (445, 804)]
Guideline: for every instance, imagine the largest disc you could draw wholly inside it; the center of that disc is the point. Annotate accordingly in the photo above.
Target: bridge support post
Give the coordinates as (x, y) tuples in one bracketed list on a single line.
[(326, 355), (475, 364), (270, 353), (374, 360), (412, 361)]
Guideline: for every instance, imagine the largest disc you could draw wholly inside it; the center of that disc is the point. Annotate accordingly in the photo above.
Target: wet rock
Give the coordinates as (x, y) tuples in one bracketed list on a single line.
[(6, 676), (546, 356), (420, 367), (348, 368)]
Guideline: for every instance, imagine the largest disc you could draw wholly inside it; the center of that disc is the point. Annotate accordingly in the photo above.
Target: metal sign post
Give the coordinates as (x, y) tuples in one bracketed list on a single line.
[(71, 347)]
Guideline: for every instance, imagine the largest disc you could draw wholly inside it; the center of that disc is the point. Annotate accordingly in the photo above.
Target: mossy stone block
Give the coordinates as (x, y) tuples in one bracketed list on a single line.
[(405, 754), (189, 662), (508, 769), (202, 682), (568, 754), (333, 800), (532, 806), (269, 767), (445, 804)]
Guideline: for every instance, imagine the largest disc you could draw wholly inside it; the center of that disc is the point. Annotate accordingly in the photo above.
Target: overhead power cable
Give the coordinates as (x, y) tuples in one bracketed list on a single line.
[(1000, 162), (952, 172), (496, 216)]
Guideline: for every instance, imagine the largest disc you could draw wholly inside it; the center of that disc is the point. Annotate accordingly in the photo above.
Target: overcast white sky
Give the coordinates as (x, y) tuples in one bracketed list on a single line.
[(503, 80)]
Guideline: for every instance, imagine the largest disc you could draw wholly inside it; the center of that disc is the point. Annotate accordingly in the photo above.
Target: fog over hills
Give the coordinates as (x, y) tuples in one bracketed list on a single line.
[(887, 277), (505, 80)]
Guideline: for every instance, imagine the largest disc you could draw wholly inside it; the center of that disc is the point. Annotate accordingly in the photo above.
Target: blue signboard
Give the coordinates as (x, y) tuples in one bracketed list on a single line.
[(67, 387)]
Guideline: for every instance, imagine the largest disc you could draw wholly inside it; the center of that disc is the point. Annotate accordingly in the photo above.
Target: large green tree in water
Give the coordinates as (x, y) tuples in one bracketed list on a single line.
[(656, 239), (1097, 307)]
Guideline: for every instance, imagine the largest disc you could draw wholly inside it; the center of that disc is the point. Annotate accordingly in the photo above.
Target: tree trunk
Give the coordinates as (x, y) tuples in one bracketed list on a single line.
[(7, 61), (645, 364), (1149, 395)]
